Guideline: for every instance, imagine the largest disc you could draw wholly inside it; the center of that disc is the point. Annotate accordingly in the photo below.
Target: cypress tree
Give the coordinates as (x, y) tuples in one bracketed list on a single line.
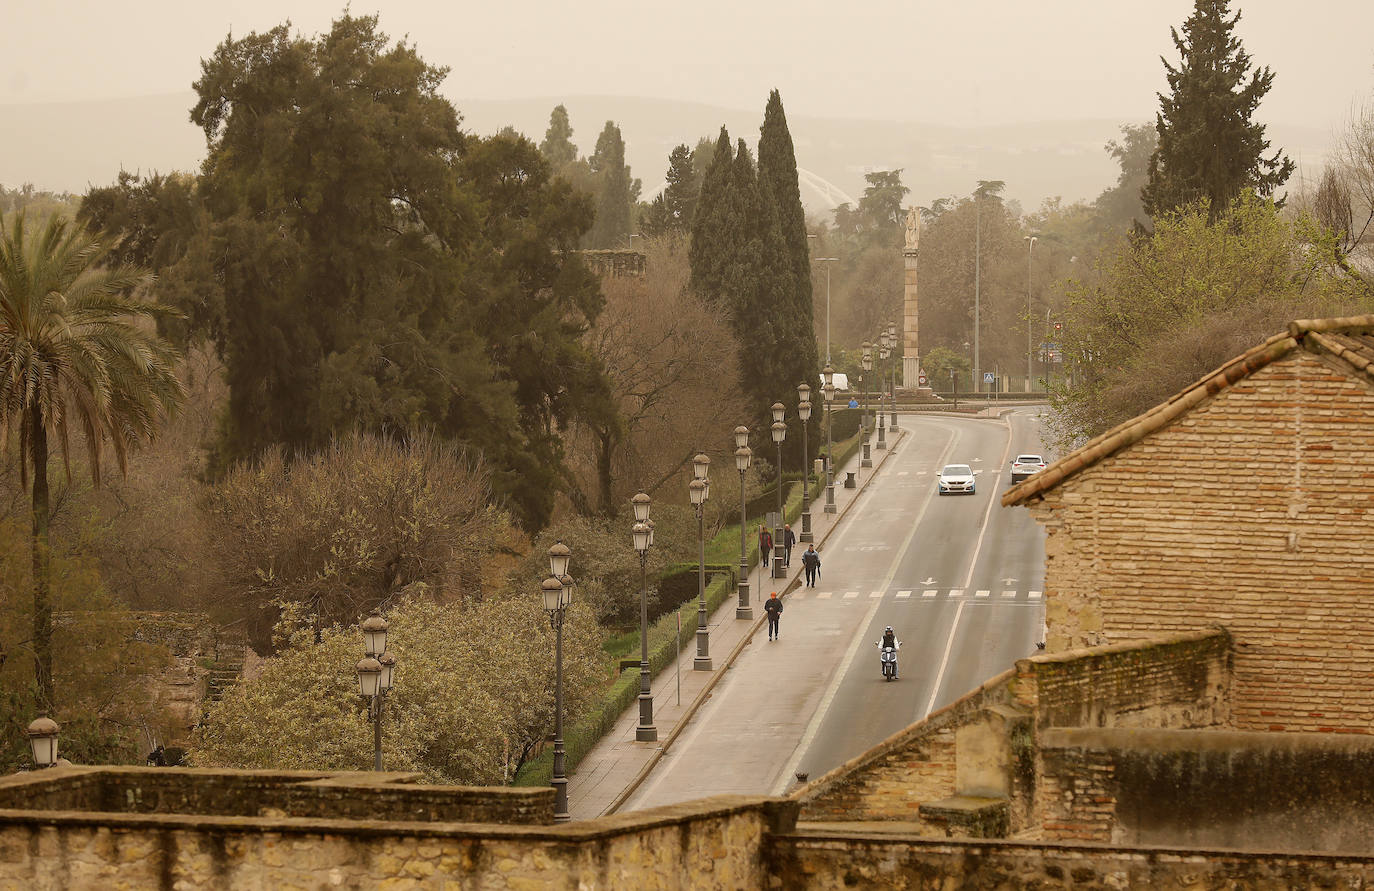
[(710, 250), (1208, 146), (680, 195), (558, 145), (615, 195)]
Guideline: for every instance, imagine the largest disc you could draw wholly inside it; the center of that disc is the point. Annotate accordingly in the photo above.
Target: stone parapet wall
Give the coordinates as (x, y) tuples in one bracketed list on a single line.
[(1179, 680), (1275, 791), (1252, 511), (819, 858)]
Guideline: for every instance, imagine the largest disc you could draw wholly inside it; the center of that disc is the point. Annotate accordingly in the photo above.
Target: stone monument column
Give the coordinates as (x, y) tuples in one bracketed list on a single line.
[(911, 356)]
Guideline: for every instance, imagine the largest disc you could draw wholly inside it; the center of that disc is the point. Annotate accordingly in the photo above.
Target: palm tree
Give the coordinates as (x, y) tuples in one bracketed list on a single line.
[(77, 350)]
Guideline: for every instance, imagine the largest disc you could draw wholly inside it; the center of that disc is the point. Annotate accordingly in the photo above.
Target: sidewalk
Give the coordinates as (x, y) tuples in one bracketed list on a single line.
[(618, 764)]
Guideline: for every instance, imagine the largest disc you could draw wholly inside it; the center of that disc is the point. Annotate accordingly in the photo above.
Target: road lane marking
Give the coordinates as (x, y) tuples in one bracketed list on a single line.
[(874, 595), (902, 595), (824, 595), (984, 593), (929, 592), (956, 592), (987, 515), (1008, 593), (850, 595), (1035, 595), (944, 660)]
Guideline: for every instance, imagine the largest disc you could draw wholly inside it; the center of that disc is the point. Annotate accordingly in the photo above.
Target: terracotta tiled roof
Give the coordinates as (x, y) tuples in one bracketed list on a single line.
[(1350, 341)]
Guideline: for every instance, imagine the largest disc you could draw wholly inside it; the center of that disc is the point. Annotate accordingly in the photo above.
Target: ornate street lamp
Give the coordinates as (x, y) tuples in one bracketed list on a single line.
[(828, 377), (643, 536), (42, 733), (892, 401), (376, 674), (700, 491), (867, 459), (804, 412), (557, 592), (779, 431), (743, 458), (883, 353)]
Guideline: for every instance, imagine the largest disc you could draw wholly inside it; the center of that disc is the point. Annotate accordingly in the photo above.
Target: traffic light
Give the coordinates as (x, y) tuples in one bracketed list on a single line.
[(1058, 326)]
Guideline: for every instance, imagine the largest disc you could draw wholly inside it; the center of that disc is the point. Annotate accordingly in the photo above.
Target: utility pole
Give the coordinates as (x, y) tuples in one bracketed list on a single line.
[(977, 277)]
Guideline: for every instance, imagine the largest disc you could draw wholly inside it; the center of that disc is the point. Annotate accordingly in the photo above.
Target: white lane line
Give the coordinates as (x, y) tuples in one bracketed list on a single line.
[(956, 592), (850, 595), (987, 515), (1008, 593), (903, 595), (1035, 595), (874, 595), (982, 593), (929, 592), (944, 660), (824, 595)]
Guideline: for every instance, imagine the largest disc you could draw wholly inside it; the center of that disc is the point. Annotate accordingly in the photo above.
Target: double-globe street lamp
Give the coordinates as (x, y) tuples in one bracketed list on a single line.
[(744, 456), (883, 353), (557, 591), (376, 672), (828, 389), (867, 459), (892, 394), (700, 491), (804, 412), (779, 431), (643, 536)]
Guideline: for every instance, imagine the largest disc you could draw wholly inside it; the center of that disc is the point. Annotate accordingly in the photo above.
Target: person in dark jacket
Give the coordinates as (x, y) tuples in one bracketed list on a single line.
[(765, 546), (811, 563), (773, 607), (789, 538)]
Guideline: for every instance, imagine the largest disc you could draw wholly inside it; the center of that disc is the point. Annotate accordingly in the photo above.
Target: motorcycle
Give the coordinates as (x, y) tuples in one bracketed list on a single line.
[(888, 658)]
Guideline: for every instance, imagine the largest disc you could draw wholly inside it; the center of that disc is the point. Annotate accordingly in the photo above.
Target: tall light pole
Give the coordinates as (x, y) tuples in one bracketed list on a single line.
[(883, 353), (804, 412), (779, 431), (700, 491), (892, 393), (827, 261), (828, 390), (744, 456), (557, 590), (867, 459), (375, 674), (1030, 367), (643, 535), (977, 278)]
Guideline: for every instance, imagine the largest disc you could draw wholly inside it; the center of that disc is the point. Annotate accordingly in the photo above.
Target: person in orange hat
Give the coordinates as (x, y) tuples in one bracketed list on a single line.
[(773, 607)]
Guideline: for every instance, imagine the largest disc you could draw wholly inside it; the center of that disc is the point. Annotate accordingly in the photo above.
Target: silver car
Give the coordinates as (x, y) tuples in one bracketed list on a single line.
[(957, 479), (1026, 465)]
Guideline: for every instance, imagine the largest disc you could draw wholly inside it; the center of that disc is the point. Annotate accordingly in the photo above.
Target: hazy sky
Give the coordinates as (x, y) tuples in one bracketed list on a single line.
[(952, 61)]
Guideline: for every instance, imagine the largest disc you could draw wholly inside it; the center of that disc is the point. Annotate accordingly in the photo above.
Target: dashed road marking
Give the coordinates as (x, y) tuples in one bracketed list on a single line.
[(874, 595), (1034, 595), (824, 595), (850, 595), (1008, 593), (929, 592), (982, 593), (902, 595), (956, 592)]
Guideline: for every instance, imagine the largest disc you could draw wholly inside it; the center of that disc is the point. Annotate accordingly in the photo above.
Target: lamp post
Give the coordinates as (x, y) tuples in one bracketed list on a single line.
[(883, 353), (804, 412), (1030, 369), (557, 591), (828, 391), (892, 393), (643, 536), (375, 674), (827, 261), (700, 491), (779, 431), (867, 459), (42, 733), (744, 456)]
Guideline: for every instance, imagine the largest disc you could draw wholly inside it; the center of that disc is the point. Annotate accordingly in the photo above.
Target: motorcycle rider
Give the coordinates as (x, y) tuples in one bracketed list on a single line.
[(890, 640)]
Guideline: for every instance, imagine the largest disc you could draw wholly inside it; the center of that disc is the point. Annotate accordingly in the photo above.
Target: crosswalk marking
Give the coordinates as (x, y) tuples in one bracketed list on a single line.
[(875, 595), (929, 592), (982, 593), (903, 595), (824, 595), (956, 592), (1008, 593), (850, 595), (1034, 595)]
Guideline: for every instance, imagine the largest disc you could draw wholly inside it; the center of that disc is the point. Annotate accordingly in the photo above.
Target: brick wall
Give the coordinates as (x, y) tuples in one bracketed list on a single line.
[(1252, 511), (842, 857), (1260, 790)]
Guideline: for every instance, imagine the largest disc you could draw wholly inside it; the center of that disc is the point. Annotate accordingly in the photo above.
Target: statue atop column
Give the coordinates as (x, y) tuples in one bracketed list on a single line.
[(913, 229)]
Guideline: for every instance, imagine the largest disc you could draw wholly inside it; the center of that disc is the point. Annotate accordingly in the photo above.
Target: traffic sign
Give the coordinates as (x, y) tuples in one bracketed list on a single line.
[(988, 377), (921, 379)]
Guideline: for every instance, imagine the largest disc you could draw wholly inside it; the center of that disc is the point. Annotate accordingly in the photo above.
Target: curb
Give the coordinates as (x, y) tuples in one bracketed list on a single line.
[(744, 641)]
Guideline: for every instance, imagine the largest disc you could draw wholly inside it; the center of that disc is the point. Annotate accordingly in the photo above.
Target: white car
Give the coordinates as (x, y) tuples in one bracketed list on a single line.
[(1026, 465), (956, 479)]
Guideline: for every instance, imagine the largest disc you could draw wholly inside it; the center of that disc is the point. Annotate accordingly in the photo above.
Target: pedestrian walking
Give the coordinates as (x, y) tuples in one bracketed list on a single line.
[(765, 546), (789, 538), (773, 606), (811, 562)]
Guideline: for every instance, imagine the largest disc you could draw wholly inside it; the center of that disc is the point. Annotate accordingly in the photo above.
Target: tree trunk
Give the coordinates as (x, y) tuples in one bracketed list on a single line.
[(42, 599), (605, 452)]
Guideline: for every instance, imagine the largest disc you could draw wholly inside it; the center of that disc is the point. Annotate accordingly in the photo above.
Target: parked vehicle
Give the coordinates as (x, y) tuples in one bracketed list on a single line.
[(957, 479), (1025, 465)]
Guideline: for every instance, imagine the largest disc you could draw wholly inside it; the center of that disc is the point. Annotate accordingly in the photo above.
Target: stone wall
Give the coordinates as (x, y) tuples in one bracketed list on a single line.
[(816, 858), (1271, 791), (1251, 511)]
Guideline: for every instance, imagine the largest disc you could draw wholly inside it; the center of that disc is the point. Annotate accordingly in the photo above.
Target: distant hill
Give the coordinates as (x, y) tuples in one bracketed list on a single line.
[(71, 146)]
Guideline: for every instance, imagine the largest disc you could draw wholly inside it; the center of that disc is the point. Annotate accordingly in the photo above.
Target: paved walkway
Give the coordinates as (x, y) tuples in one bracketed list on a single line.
[(618, 764)]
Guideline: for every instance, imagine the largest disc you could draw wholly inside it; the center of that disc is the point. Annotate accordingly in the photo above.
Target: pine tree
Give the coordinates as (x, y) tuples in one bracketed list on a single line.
[(558, 145), (616, 193), (1209, 149)]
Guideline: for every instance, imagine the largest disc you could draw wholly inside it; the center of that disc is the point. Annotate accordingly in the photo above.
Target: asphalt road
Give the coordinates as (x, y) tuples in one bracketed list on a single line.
[(958, 577)]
